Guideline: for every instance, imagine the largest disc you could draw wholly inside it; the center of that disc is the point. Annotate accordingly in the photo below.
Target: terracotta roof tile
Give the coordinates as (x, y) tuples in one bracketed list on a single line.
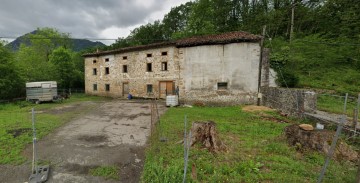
[(229, 37), (225, 38)]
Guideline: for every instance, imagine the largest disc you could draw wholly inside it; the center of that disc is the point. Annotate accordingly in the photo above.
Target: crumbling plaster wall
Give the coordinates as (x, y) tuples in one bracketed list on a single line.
[(203, 67)]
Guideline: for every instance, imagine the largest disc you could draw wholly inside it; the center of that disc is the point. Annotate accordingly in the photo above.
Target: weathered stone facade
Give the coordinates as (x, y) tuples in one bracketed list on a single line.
[(137, 76), (211, 73)]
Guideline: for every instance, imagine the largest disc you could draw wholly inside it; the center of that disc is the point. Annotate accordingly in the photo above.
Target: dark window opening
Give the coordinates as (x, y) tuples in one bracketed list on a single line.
[(149, 55), (106, 59), (222, 85), (149, 88), (164, 53), (94, 61), (107, 87), (107, 70), (148, 67), (124, 57), (164, 66), (94, 71), (125, 69), (95, 87)]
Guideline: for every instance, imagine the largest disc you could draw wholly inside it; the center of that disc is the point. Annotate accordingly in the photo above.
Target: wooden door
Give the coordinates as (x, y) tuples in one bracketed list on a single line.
[(166, 88), (125, 89)]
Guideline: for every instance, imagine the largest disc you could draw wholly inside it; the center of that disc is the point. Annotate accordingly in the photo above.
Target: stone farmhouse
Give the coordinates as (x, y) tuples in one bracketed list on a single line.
[(217, 69)]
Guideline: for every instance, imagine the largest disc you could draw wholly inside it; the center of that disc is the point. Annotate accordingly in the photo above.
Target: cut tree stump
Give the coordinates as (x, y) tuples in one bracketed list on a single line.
[(204, 133), (319, 140)]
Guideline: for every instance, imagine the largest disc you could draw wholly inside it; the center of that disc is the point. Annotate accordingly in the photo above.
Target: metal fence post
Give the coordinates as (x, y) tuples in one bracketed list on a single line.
[(185, 149), (333, 144), (358, 175), (356, 121)]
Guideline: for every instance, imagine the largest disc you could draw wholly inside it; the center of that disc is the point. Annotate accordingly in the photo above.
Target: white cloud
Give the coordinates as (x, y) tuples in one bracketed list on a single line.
[(81, 18)]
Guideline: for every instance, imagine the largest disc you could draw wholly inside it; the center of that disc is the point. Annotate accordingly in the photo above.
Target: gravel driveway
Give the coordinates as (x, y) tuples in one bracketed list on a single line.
[(113, 133)]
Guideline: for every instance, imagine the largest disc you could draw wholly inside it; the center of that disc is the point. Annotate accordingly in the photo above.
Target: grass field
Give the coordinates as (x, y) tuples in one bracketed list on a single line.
[(335, 104), (16, 125), (257, 152)]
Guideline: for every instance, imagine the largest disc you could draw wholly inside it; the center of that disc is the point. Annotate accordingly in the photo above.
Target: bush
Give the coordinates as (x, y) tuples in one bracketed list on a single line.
[(287, 79)]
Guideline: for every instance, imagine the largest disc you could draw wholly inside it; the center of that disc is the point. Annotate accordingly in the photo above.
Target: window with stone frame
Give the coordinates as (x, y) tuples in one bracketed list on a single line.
[(164, 66), (149, 88), (149, 67)]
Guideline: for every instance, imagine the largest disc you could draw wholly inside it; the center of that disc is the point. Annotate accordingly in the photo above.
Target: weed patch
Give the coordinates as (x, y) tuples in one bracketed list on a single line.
[(108, 172)]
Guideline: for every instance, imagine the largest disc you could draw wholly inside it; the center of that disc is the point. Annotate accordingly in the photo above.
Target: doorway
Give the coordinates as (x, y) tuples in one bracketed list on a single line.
[(166, 88)]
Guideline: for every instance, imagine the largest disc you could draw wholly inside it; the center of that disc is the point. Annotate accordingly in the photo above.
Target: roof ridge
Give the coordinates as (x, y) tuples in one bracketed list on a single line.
[(211, 39)]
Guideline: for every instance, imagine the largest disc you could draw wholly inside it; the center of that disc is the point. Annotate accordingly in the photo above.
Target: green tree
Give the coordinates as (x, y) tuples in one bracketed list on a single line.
[(62, 59), (11, 84), (175, 22), (33, 60), (147, 34)]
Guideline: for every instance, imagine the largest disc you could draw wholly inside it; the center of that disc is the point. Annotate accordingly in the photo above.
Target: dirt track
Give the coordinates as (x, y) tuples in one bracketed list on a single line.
[(113, 133)]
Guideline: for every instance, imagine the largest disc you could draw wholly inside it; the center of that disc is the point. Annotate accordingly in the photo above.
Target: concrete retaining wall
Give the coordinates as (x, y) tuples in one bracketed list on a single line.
[(290, 101)]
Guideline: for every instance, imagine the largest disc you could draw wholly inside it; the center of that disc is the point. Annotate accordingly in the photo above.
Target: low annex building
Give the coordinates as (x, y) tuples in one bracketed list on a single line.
[(213, 69)]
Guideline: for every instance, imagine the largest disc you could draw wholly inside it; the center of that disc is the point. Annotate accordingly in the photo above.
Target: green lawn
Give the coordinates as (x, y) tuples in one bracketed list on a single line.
[(335, 104), (258, 151), (15, 124)]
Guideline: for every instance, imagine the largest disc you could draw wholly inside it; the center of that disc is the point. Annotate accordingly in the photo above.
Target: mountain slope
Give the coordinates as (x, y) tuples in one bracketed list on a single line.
[(77, 44)]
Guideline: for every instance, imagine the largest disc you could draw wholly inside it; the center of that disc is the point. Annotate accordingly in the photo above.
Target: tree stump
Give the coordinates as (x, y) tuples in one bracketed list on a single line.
[(205, 134), (319, 140)]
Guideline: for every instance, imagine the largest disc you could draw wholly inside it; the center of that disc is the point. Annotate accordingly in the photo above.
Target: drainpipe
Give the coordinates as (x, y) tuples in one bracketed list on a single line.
[(260, 65)]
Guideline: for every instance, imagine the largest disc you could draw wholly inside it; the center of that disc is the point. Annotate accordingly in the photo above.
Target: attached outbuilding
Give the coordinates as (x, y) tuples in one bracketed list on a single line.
[(220, 69)]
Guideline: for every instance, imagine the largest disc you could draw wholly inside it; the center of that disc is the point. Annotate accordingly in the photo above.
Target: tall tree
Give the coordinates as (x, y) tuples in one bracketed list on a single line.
[(175, 22), (33, 59), (149, 33), (11, 84), (62, 59)]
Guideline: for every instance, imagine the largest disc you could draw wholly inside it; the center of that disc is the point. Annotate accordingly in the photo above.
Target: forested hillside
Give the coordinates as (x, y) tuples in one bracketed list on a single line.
[(75, 44), (324, 51), (46, 56)]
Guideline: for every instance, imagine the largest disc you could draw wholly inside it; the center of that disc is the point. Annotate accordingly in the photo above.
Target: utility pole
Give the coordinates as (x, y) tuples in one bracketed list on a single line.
[(260, 64), (292, 20)]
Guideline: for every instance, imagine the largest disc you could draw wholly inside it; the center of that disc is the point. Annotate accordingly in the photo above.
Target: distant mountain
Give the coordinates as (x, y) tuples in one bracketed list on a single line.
[(77, 44)]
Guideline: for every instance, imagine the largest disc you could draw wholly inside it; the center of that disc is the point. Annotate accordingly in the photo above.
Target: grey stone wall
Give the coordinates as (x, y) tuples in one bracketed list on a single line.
[(218, 98), (290, 101)]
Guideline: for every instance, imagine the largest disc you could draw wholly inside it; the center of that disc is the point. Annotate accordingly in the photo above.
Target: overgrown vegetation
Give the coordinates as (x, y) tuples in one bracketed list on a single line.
[(16, 126), (108, 172), (257, 151), (324, 51)]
